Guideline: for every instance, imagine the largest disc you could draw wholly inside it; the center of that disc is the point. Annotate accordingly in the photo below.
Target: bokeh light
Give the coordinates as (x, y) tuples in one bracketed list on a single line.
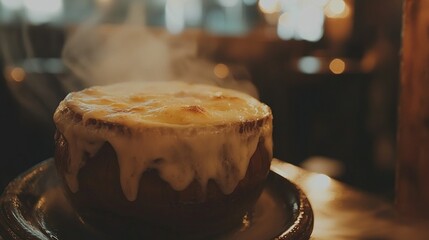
[(337, 66), (269, 6), (297, 19), (309, 65), (221, 70), (337, 9), (286, 26), (174, 16), (310, 26), (16, 74), (41, 11)]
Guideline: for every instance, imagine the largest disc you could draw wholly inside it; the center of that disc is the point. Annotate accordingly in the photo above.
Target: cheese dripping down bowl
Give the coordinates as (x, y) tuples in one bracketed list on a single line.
[(162, 157)]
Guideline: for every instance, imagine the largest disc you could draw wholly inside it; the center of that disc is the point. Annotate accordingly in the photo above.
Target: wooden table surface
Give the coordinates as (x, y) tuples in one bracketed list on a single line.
[(342, 212)]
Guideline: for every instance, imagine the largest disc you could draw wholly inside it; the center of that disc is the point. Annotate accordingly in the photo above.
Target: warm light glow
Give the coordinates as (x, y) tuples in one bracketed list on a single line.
[(41, 11), (309, 64), (320, 188), (321, 164), (283, 169), (337, 66), (269, 6), (17, 74), (369, 61), (337, 9), (318, 182), (221, 70)]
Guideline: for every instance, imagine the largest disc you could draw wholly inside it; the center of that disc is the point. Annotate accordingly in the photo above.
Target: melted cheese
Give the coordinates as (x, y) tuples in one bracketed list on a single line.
[(185, 131)]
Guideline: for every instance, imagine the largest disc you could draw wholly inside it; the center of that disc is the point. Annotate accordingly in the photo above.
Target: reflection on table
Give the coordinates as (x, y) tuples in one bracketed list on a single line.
[(341, 212)]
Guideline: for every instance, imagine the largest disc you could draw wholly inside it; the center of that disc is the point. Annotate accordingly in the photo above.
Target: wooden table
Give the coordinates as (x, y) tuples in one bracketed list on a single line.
[(342, 212)]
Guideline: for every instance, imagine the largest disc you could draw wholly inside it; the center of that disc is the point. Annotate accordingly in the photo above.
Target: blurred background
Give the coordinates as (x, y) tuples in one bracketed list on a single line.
[(329, 69)]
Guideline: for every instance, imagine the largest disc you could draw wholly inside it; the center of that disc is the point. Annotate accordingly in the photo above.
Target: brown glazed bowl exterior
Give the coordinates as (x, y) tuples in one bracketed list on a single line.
[(159, 211)]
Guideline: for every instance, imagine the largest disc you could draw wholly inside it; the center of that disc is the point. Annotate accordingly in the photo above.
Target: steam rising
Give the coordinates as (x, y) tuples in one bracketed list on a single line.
[(105, 53)]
